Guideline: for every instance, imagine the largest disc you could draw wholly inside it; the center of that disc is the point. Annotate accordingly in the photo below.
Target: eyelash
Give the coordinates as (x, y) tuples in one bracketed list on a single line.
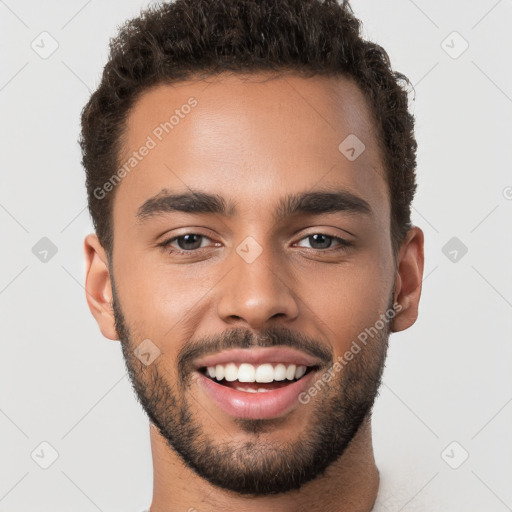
[(342, 244)]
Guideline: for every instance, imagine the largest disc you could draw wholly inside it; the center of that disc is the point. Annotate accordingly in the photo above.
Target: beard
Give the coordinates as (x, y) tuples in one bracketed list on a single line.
[(257, 466)]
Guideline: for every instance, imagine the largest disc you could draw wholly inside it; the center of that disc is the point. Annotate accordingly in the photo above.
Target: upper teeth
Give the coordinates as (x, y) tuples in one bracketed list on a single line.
[(246, 372)]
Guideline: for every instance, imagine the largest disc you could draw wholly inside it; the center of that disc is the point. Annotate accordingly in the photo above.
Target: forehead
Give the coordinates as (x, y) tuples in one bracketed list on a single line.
[(253, 137)]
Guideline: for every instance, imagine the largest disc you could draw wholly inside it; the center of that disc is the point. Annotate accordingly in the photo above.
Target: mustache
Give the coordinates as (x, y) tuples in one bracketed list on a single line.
[(244, 338)]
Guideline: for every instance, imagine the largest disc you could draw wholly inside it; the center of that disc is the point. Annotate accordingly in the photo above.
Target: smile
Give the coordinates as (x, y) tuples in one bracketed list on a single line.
[(257, 383), (252, 379)]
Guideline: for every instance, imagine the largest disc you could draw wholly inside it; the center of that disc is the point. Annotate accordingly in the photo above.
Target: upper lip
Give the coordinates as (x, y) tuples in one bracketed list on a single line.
[(257, 356)]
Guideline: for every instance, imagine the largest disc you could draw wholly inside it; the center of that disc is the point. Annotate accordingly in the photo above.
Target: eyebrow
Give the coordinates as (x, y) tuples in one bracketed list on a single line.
[(315, 203)]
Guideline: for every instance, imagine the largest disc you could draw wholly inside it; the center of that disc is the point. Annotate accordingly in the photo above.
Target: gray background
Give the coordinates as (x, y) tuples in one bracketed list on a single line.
[(447, 378)]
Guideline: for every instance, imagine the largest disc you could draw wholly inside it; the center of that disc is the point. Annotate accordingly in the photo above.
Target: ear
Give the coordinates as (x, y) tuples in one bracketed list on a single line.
[(408, 280), (98, 287)]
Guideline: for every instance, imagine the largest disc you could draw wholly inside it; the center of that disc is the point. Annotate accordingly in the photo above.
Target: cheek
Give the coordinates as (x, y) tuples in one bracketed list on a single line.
[(348, 300), (158, 302)]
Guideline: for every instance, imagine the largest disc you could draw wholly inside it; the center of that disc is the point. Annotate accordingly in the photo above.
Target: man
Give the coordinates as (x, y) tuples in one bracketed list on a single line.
[(250, 169)]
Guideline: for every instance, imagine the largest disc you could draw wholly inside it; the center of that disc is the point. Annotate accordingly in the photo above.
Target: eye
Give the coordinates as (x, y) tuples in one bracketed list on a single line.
[(324, 241), (185, 243), (190, 243)]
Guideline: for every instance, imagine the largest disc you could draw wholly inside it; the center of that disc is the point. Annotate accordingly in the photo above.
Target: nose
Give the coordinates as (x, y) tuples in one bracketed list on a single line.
[(255, 292)]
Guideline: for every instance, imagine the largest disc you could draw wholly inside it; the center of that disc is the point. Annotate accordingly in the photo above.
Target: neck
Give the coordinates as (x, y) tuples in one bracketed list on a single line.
[(349, 485)]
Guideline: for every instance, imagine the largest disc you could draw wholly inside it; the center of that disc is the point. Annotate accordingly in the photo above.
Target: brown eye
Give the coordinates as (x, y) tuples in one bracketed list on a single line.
[(188, 242), (322, 241)]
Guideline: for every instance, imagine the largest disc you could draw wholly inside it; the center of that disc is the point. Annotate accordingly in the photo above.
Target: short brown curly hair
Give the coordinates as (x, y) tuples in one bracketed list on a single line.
[(178, 40)]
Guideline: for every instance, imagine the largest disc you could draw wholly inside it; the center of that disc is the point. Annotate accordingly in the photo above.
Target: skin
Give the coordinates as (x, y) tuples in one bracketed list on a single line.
[(255, 142)]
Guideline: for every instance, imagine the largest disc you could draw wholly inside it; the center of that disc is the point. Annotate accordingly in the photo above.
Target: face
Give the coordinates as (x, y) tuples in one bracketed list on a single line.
[(252, 254)]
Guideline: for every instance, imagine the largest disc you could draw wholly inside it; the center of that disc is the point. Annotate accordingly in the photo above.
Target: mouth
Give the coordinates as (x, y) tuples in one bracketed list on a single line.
[(250, 378), (256, 383)]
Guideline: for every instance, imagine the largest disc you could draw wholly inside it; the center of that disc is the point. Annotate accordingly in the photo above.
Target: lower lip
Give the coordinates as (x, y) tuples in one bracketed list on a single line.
[(261, 405)]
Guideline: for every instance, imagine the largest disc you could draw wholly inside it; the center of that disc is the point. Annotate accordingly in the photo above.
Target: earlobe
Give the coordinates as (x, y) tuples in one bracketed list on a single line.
[(98, 286), (408, 280)]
